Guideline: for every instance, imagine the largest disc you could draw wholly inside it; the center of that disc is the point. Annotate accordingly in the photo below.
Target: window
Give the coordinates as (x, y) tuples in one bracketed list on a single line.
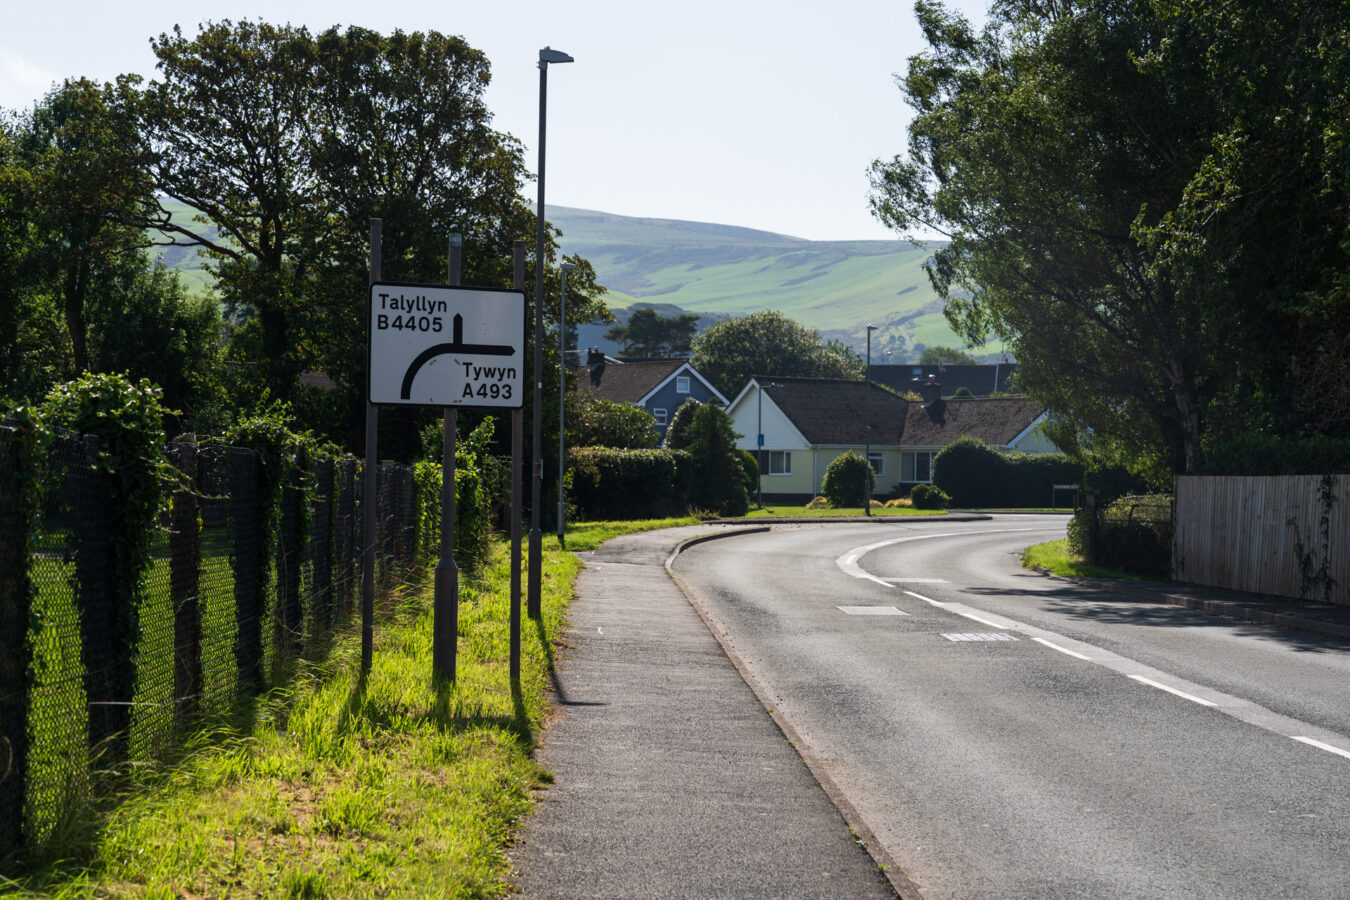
[(878, 463), (682, 384), (660, 416), (916, 466), (780, 462)]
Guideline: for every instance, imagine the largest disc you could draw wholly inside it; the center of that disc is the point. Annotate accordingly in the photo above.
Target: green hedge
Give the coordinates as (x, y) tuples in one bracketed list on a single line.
[(1260, 454), (629, 484), (974, 474), (1132, 534)]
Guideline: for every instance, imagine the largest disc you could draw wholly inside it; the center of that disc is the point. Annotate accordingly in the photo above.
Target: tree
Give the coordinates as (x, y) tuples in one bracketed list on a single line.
[(950, 356), (1151, 220), (89, 191), (677, 429), (596, 422), (648, 333), (719, 477), (767, 343)]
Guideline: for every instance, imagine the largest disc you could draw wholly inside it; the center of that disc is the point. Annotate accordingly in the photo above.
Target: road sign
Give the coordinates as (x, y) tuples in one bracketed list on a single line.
[(432, 345)]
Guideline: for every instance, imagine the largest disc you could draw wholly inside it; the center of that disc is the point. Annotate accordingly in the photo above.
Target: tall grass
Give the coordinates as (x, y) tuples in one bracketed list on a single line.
[(393, 785)]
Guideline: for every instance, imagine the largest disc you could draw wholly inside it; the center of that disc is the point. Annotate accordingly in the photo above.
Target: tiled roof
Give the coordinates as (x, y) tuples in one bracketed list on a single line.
[(979, 379), (831, 411), (995, 421), (627, 382)]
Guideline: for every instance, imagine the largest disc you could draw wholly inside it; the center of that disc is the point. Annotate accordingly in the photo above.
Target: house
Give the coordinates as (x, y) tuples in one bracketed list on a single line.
[(659, 386), (981, 380), (807, 422)]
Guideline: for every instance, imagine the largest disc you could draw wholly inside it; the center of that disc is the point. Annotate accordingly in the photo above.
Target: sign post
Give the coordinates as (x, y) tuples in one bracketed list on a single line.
[(432, 345)]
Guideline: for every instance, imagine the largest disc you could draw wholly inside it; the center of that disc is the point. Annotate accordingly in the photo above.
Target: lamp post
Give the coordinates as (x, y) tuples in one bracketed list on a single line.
[(867, 420), (562, 388), (546, 56), (759, 443)]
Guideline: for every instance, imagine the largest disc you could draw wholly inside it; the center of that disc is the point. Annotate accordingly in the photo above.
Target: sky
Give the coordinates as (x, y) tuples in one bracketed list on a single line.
[(760, 113)]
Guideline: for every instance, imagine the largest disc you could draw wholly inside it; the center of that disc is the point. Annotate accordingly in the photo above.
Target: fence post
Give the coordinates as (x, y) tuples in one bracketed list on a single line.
[(321, 530), (185, 564), (16, 597), (245, 478)]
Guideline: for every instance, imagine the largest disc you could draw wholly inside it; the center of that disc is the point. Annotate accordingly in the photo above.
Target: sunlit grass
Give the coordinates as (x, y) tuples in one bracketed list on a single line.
[(589, 535), (393, 785), (1056, 557), (779, 511)]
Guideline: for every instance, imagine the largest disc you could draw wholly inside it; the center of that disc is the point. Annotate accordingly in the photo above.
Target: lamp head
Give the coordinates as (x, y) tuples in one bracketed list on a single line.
[(568, 267), (549, 55)]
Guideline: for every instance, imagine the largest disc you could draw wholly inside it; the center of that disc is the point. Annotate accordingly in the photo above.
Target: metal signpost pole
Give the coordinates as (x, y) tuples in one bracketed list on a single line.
[(517, 488), (546, 56), (445, 603), (368, 500)]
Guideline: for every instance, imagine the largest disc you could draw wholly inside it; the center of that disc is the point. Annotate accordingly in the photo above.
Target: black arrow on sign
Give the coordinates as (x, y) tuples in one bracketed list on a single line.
[(456, 345)]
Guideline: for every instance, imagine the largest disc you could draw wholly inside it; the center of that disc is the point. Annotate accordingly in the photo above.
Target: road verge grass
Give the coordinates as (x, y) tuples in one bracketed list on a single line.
[(1056, 558), (387, 786)]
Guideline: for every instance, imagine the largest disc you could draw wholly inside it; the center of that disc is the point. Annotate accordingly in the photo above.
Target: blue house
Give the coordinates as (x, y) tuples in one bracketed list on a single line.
[(659, 386)]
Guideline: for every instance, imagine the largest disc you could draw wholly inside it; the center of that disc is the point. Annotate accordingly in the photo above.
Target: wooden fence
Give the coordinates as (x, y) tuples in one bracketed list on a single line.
[(1288, 535)]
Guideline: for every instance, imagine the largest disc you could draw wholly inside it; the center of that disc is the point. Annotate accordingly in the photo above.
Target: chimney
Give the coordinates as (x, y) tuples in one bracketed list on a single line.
[(930, 391), (595, 361)]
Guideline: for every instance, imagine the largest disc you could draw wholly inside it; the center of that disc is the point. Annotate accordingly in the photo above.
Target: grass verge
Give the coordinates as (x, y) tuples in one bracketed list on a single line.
[(776, 511), (589, 535), (1056, 557), (391, 785)]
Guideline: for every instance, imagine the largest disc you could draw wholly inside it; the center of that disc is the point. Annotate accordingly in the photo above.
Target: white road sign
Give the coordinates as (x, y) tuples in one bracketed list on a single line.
[(432, 345)]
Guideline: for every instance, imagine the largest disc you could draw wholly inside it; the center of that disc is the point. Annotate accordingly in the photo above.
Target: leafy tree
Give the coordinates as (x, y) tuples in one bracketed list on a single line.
[(648, 333), (596, 422), (1147, 198), (730, 353), (951, 356), (719, 482), (677, 429), (88, 192)]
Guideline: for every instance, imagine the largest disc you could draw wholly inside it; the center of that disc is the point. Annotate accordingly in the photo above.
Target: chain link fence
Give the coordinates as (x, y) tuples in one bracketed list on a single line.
[(90, 684)]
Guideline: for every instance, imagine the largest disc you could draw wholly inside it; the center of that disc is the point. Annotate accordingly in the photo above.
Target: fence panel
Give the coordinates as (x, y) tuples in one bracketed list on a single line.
[(1287, 536)]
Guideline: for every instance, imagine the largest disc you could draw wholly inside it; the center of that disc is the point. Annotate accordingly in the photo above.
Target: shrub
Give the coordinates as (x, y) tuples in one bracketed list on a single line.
[(818, 503), (1133, 534), (974, 474), (677, 428), (750, 472), (848, 479), (899, 503), (629, 484), (927, 496)]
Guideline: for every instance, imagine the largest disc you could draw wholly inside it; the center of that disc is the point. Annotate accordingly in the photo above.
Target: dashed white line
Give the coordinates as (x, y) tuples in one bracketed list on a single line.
[(1065, 650), (1321, 746), (1171, 690)]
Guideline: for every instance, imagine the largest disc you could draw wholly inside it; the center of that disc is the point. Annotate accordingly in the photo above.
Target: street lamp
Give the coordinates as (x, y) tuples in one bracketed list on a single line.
[(562, 388), (867, 420), (546, 56)]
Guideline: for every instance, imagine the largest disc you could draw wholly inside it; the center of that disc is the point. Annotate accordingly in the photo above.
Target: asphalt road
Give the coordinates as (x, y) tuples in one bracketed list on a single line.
[(1004, 734)]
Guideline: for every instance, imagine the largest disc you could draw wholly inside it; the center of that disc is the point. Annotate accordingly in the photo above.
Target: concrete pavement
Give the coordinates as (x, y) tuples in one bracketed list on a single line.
[(671, 780)]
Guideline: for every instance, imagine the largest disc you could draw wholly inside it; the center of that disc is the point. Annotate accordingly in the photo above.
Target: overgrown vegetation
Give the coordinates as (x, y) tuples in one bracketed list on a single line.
[(343, 786)]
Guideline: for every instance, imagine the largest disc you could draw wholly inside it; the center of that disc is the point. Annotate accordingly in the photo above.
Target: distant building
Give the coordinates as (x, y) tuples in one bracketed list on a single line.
[(981, 380), (807, 422), (659, 386)]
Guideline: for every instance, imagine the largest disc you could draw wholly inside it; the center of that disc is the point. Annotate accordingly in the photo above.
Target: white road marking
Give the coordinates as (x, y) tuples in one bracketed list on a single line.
[(1171, 690), (1321, 746), (871, 611), (1065, 650), (1236, 707), (976, 636), (915, 580)]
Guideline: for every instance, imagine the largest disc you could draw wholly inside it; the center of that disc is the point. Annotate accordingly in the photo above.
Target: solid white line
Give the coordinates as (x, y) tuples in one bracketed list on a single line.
[(1162, 687), (1321, 746), (970, 615), (1064, 650)]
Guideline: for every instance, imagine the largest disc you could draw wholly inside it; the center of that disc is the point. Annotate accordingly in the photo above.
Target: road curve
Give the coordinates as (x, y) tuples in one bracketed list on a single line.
[(1004, 734)]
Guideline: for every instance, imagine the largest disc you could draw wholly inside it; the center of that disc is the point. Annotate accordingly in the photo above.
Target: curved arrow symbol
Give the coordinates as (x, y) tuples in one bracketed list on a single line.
[(456, 345)]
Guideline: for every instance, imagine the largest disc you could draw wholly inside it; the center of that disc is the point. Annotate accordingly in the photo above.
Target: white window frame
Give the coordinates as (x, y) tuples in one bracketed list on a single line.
[(878, 461), (784, 460), (660, 414), (909, 466), (682, 384)]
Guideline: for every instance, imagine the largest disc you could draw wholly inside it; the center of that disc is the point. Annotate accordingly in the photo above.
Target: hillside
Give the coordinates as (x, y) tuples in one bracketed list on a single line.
[(836, 287)]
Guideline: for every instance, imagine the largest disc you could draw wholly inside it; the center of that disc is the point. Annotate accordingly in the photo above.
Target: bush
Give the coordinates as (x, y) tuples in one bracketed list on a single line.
[(678, 426), (750, 472), (629, 484), (1133, 534), (974, 474), (818, 503), (848, 480), (717, 479), (927, 496), (899, 503)]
